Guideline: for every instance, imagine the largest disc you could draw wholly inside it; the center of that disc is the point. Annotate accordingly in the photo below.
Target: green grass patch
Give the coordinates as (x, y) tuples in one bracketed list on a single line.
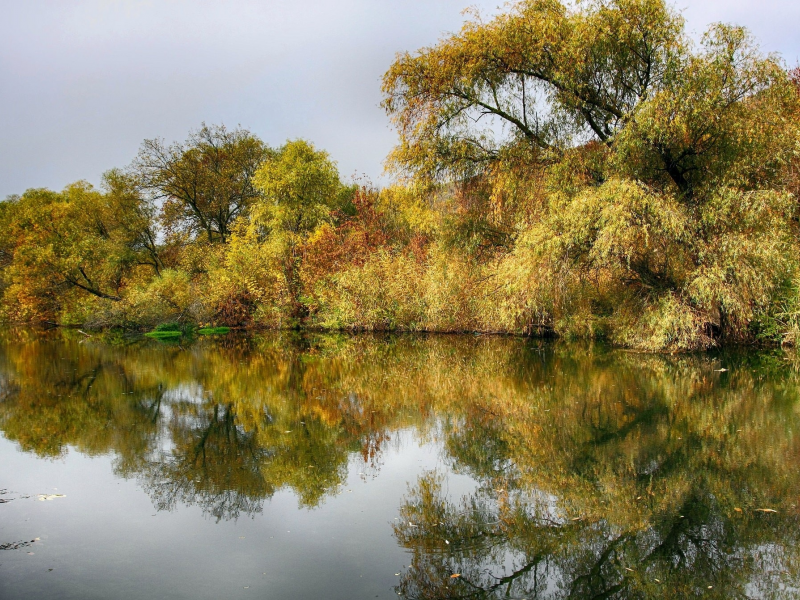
[(213, 330), (164, 335)]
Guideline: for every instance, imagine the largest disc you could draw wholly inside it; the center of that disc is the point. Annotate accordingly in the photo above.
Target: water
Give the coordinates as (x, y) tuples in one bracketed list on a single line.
[(279, 466)]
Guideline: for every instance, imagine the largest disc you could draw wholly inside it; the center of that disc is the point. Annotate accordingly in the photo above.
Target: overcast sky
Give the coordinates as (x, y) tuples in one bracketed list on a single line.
[(83, 82)]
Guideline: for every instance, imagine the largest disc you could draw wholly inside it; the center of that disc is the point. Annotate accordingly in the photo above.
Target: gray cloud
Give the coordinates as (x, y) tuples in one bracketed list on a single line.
[(85, 81)]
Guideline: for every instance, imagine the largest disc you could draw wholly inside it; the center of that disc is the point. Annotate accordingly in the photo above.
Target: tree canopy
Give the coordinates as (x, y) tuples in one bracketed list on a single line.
[(205, 183), (81, 240), (659, 209), (546, 77), (581, 170)]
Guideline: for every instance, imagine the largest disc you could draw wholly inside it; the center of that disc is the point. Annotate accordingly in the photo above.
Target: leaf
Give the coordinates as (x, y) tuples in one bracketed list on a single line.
[(43, 497)]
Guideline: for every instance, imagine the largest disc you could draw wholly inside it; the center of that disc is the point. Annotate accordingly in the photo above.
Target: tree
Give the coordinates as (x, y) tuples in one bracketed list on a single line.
[(301, 191), (653, 170), (136, 217), (542, 73), (544, 77), (78, 241), (206, 182)]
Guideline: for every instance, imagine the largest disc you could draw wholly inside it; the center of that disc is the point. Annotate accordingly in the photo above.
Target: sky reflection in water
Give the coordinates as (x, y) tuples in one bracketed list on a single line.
[(278, 466)]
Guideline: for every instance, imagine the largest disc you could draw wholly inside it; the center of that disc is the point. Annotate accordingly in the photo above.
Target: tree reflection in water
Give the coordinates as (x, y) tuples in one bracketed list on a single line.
[(617, 476), (598, 474)]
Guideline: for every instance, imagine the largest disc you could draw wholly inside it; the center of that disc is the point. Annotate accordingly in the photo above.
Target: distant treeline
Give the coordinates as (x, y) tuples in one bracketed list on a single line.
[(573, 171)]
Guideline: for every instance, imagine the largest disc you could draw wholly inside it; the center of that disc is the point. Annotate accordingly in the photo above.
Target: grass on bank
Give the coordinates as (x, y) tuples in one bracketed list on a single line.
[(166, 332), (164, 335)]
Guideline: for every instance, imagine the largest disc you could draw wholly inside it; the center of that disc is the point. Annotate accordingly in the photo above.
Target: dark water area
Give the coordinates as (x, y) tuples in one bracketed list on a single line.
[(281, 466)]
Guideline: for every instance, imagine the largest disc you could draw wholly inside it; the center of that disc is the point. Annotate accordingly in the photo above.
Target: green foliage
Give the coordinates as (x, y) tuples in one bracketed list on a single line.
[(165, 335), (301, 193), (168, 332), (171, 297), (301, 189)]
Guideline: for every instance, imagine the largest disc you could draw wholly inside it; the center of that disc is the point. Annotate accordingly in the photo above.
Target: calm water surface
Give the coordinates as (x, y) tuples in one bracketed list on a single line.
[(375, 467)]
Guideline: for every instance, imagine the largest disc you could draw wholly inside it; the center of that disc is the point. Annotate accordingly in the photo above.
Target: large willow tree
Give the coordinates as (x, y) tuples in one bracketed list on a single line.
[(655, 168)]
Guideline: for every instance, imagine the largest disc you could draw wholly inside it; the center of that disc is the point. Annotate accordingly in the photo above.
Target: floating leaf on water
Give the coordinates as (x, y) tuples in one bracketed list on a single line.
[(737, 509), (42, 497)]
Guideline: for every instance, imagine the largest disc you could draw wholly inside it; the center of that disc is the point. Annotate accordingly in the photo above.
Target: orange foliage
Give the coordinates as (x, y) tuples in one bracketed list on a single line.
[(350, 243)]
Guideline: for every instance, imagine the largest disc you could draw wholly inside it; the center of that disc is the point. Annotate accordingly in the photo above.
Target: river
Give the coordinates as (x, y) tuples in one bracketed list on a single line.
[(282, 465)]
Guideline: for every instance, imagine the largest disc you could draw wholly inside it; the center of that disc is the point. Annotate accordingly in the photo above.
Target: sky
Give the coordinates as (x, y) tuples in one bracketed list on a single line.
[(83, 82)]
